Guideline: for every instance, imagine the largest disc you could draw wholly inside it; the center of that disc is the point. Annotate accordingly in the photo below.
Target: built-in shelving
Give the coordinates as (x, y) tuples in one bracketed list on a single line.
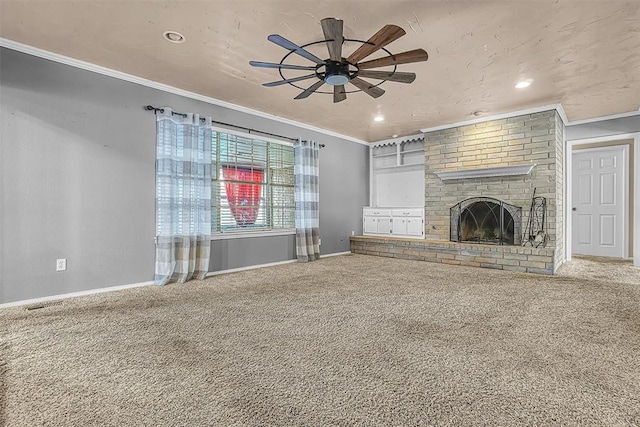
[(397, 172), (375, 156)]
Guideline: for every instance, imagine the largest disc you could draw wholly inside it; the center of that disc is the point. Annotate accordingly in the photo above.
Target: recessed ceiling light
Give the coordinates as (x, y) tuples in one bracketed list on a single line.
[(378, 118), (522, 84), (395, 135), (173, 37)]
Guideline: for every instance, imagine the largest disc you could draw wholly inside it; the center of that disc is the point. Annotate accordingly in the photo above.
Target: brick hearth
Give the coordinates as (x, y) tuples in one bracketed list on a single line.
[(514, 258)]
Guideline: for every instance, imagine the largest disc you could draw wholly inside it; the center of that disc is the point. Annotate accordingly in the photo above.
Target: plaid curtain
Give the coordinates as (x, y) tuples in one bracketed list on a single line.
[(183, 196), (307, 197)]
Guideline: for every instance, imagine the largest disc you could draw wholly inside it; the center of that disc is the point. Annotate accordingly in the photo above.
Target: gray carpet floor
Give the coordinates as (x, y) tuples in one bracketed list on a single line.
[(344, 341)]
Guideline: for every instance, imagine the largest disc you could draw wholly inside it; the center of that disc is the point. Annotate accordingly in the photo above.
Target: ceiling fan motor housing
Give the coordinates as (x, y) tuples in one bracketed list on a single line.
[(336, 73)]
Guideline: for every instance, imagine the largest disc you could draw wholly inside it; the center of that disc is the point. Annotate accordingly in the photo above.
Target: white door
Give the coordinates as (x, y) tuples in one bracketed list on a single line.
[(599, 201), (384, 225), (399, 226), (370, 224), (415, 226)]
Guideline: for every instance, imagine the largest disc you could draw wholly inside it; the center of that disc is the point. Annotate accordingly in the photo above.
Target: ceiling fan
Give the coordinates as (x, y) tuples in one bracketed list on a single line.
[(337, 70)]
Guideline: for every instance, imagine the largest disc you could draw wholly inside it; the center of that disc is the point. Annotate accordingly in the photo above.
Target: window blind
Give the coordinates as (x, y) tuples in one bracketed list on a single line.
[(252, 184)]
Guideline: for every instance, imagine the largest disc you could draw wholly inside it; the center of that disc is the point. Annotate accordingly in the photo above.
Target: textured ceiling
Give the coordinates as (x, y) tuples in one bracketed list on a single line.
[(582, 54)]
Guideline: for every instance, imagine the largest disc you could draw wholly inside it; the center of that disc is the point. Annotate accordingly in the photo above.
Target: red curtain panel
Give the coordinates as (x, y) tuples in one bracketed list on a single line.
[(243, 197)]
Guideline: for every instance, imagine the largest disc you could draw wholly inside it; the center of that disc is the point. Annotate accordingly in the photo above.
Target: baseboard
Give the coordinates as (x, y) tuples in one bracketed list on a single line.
[(137, 285), (73, 295), (249, 267), (336, 254), (252, 267)]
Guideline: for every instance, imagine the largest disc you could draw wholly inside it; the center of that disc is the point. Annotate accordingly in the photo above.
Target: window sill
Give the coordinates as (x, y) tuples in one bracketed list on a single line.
[(246, 234)]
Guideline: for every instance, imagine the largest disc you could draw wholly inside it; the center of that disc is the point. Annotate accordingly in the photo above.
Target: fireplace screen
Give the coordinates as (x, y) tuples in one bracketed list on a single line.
[(486, 220)]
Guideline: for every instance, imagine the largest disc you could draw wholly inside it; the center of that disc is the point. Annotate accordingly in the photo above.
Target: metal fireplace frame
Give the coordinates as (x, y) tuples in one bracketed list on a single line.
[(455, 218)]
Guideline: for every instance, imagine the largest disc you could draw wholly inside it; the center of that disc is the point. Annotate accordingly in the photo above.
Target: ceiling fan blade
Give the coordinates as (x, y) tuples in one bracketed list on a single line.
[(308, 91), (339, 94), (284, 82), (383, 37), (368, 88), (283, 66), (416, 55), (388, 75), (332, 29), (281, 41)]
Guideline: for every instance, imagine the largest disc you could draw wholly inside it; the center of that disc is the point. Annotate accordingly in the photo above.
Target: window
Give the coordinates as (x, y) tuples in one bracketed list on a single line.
[(252, 184)]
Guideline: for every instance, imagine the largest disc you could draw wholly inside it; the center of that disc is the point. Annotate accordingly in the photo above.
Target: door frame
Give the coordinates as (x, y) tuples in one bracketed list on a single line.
[(625, 207), (635, 214)]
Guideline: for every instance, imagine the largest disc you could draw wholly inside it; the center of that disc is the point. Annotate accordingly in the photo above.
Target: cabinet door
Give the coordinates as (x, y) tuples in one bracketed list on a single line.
[(399, 226), (414, 226), (384, 225), (370, 224)]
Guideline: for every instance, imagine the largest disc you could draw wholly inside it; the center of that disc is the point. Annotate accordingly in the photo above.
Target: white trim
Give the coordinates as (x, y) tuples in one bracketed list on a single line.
[(41, 53), (271, 264), (248, 234), (371, 180), (563, 115), (249, 267), (636, 202), (335, 254), (397, 140), (486, 172), (556, 107), (568, 199), (636, 210), (74, 294), (616, 137), (601, 118)]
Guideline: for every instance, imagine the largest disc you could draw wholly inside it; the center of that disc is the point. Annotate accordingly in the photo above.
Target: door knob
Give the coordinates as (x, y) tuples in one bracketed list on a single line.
[(574, 209)]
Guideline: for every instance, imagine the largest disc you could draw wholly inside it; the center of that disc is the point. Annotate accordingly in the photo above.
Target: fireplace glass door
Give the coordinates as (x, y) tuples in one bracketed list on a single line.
[(486, 220)]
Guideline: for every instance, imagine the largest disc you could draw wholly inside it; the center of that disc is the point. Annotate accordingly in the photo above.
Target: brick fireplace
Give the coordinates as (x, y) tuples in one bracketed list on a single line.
[(499, 160)]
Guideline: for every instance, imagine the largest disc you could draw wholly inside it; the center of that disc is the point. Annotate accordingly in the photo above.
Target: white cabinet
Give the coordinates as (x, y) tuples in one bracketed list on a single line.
[(398, 222), (376, 221)]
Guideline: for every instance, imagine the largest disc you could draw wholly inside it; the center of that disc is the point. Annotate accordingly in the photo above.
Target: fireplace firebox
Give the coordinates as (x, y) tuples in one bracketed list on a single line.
[(486, 220)]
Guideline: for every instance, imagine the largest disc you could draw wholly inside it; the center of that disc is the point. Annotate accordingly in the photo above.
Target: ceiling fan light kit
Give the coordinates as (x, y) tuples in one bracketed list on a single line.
[(337, 71)]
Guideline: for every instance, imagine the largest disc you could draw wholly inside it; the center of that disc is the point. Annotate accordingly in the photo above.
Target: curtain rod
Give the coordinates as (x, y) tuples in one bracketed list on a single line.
[(154, 109)]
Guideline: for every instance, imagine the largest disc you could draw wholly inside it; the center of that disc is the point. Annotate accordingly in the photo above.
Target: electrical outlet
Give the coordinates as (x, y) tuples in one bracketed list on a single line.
[(61, 264), (341, 237), (319, 242), (353, 233)]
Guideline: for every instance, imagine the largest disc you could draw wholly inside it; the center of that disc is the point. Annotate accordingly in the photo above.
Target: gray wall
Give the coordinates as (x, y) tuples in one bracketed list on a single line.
[(77, 157), (601, 128)]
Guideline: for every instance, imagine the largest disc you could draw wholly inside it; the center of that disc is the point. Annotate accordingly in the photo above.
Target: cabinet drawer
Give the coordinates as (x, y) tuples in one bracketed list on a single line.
[(407, 212), (376, 212)]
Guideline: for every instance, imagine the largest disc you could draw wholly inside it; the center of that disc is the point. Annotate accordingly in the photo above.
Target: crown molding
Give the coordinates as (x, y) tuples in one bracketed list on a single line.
[(556, 107), (602, 118), (45, 54)]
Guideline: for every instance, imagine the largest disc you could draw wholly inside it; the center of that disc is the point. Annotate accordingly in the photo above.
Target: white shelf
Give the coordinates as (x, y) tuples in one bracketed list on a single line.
[(418, 150), (375, 156), (398, 166), (486, 172)]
